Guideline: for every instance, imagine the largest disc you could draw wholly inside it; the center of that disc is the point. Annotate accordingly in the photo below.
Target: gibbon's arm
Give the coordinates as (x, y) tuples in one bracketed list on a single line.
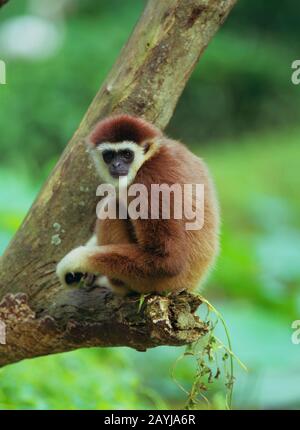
[(124, 262), (156, 256)]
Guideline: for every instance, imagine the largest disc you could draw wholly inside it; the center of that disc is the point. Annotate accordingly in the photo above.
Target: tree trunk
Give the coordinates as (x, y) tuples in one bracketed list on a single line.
[(41, 316)]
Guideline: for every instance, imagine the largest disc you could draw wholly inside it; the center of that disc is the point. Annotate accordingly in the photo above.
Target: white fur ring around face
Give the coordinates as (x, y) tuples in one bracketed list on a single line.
[(75, 262)]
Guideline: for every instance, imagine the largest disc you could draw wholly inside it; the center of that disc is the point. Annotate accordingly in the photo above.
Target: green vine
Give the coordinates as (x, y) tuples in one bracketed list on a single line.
[(213, 358)]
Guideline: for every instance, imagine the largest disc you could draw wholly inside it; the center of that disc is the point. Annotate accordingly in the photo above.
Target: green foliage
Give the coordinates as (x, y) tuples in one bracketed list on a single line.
[(258, 185), (213, 360), (81, 380), (242, 82), (241, 106)]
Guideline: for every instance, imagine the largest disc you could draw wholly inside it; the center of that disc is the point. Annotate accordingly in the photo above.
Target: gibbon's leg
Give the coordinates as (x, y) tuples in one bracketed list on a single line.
[(100, 281), (89, 279), (128, 263)]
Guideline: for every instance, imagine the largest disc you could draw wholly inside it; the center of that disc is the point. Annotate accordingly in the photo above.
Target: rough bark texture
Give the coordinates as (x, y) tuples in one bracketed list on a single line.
[(147, 81), (82, 319)]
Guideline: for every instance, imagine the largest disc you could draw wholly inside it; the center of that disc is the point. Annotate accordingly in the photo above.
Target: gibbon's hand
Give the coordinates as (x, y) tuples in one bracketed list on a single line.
[(71, 269)]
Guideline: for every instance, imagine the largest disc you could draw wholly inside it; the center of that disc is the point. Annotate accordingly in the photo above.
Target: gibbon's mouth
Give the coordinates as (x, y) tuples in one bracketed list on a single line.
[(116, 175)]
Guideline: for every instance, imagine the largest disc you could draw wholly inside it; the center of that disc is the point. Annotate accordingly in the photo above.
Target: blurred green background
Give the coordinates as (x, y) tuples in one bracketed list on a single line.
[(240, 112)]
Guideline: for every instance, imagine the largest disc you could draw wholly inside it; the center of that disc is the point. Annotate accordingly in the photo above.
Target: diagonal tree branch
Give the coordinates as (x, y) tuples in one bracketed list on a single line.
[(146, 80), (82, 319)]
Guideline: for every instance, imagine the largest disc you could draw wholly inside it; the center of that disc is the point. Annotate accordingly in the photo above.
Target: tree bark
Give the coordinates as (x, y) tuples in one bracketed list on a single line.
[(146, 80)]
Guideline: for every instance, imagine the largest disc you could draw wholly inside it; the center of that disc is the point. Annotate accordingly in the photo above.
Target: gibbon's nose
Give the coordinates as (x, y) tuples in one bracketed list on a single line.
[(116, 165), (117, 168)]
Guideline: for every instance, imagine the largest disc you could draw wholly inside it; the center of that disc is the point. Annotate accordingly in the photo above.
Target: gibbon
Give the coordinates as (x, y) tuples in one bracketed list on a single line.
[(145, 255)]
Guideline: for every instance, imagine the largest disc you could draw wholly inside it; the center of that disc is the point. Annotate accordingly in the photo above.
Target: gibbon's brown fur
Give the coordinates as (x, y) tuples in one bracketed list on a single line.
[(155, 255), (123, 127)]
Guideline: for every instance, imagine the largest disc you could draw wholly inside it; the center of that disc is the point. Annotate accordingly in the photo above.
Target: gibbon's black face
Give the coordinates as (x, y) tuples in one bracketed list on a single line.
[(118, 161)]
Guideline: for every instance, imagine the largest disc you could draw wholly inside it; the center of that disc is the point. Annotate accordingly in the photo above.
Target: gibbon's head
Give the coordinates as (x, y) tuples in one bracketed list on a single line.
[(120, 145)]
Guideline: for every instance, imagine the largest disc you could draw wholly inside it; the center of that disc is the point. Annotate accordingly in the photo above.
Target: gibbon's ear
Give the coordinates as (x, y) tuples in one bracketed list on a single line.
[(122, 128), (151, 147), (146, 145)]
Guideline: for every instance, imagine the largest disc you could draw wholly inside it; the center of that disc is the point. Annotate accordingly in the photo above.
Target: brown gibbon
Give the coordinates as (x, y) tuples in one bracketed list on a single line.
[(146, 254)]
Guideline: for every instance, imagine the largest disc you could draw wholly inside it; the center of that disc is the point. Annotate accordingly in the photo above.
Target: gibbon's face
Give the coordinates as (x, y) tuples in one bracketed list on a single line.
[(115, 161), (120, 145)]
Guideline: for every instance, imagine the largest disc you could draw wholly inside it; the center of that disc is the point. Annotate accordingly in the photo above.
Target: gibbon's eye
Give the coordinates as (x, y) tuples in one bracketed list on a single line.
[(127, 155), (108, 155)]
